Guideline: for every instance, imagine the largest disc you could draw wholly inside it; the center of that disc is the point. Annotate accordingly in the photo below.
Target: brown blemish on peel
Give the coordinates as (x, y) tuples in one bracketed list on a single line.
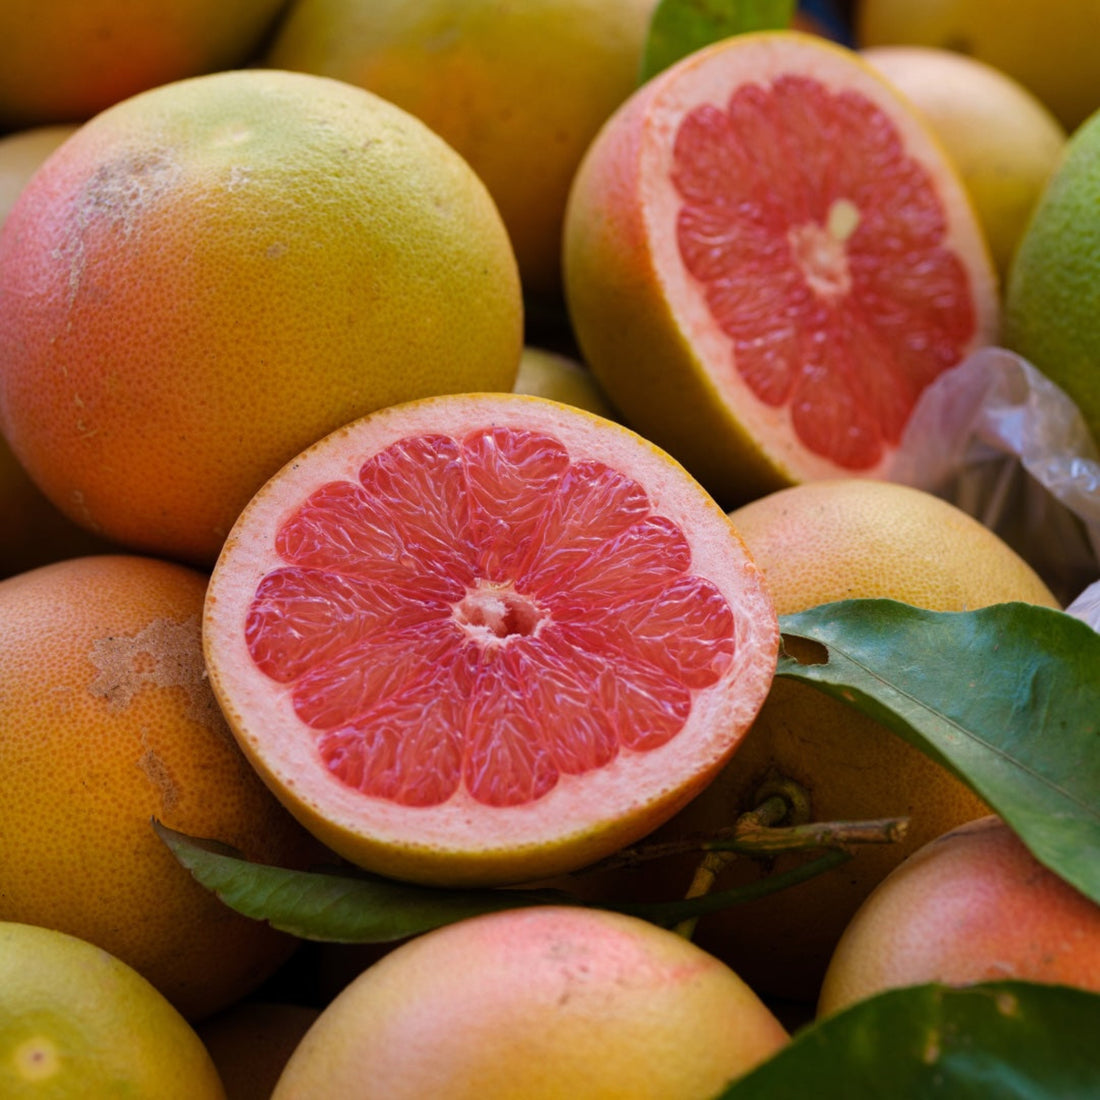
[(123, 188), (166, 653), (114, 197), (161, 778)]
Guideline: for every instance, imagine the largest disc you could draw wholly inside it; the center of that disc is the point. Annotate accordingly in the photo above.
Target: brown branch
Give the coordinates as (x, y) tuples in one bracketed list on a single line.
[(749, 838), (760, 832)]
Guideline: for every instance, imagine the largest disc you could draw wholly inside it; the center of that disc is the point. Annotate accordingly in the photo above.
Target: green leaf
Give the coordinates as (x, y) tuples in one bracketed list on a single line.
[(1006, 697), (346, 905), (341, 904), (680, 27), (1003, 1040)]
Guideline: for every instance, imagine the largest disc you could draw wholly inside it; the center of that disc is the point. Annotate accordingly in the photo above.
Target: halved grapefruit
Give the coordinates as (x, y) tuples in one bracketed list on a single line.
[(768, 256), (486, 638)]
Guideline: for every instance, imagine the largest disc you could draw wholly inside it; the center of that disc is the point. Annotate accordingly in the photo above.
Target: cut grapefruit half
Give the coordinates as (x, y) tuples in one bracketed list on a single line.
[(486, 638), (767, 257)]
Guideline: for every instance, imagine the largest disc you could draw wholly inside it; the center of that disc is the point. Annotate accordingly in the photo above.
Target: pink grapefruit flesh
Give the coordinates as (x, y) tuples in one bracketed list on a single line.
[(486, 638), (768, 258)]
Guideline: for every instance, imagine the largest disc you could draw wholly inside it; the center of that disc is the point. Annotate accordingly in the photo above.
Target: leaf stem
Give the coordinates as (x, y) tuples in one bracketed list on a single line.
[(673, 913), (758, 832), (761, 832), (706, 875)]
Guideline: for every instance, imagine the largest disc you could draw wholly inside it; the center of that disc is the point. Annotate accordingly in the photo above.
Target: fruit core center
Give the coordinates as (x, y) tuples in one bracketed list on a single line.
[(493, 613), (821, 252)]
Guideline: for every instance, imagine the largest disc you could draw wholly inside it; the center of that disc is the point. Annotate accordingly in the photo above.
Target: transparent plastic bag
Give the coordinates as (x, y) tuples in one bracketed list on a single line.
[(1087, 606), (997, 438)]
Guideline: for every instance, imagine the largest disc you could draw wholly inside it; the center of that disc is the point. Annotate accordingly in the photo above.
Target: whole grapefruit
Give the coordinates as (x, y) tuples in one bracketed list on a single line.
[(108, 722), (209, 276), (768, 255), (482, 638), (518, 89), (67, 62), (539, 1003), (816, 543), (77, 1022), (970, 906)]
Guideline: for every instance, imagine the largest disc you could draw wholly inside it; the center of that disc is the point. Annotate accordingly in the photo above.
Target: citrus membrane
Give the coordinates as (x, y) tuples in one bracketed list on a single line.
[(486, 637)]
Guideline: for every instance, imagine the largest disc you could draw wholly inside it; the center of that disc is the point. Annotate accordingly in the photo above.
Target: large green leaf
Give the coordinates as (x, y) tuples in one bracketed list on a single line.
[(340, 904), (680, 27), (998, 1041), (1007, 697), (346, 905)]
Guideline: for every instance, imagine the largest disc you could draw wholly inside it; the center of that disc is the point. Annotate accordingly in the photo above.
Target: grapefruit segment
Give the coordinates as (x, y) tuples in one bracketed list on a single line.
[(486, 638), (767, 258)]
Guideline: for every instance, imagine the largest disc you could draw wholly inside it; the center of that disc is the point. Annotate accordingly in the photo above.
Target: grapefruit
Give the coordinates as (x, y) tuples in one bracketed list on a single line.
[(1002, 138), (209, 276), (518, 89), (1050, 315), (76, 1022), (81, 56), (823, 541), (1050, 51), (537, 1003), (483, 638), (768, 255), (971, 906), (108, 721)]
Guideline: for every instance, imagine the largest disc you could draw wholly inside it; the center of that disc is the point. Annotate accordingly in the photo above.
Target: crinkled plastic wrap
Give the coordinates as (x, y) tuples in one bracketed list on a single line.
[(1000, 440)]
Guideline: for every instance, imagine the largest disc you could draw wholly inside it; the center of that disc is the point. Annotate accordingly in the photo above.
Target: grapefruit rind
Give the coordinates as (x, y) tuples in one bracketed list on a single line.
[(643, 322), (463, 842)]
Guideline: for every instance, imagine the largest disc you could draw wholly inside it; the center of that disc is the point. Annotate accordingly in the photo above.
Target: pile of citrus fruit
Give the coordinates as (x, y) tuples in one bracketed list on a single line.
[(416, 420)]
